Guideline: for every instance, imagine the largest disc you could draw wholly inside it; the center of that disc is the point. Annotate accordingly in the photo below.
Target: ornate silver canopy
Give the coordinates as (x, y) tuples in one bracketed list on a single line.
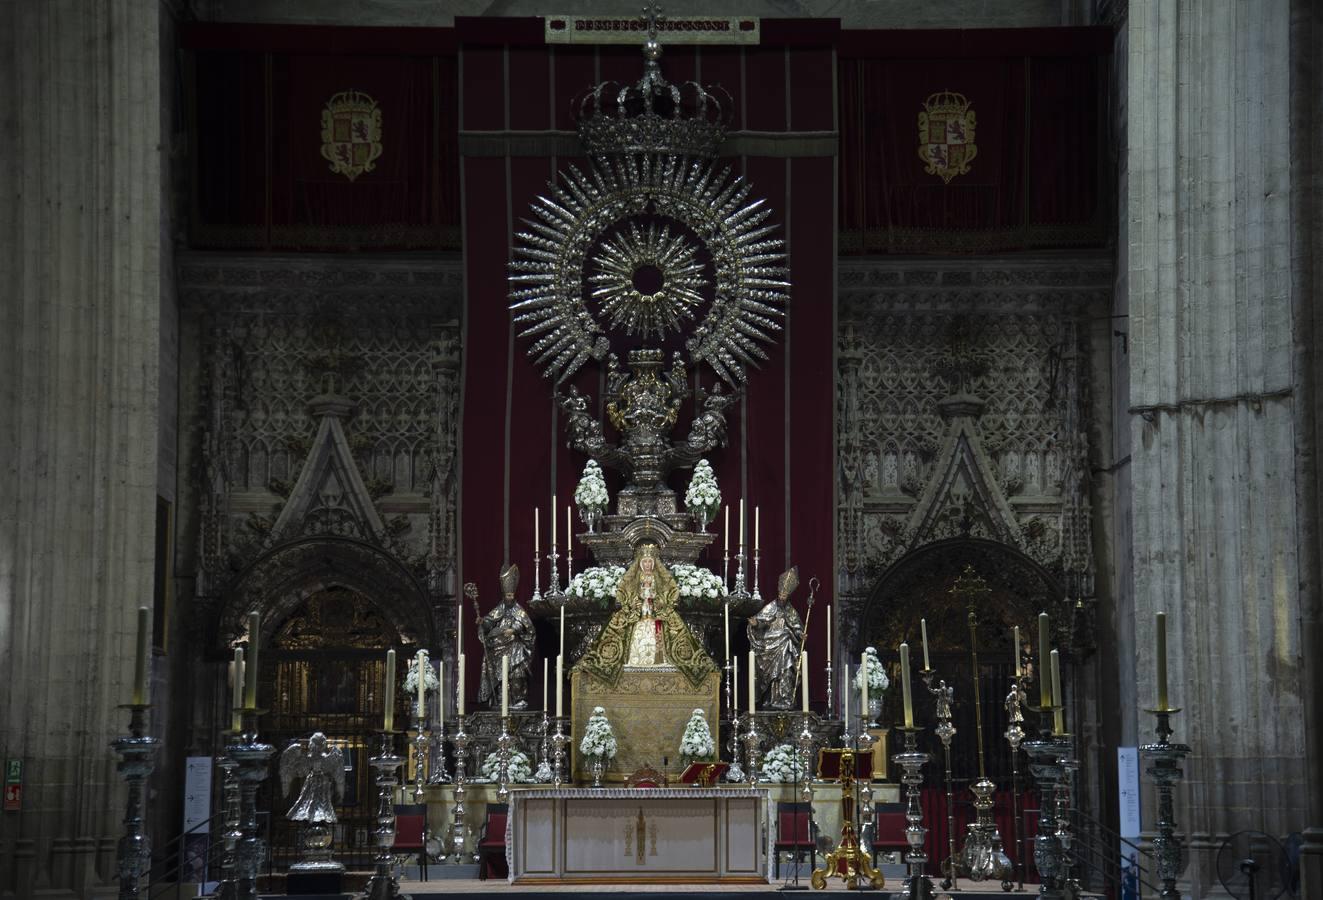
[(653, 207)]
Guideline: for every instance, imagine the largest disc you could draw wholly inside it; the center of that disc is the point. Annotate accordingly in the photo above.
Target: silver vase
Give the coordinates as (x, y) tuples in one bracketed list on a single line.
[(599, 768), (874, 711)]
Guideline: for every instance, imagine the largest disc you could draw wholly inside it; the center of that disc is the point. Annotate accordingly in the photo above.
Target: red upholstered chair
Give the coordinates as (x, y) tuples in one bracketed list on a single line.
[(491, 842), (795, 834), (889, 831), (411, 832)]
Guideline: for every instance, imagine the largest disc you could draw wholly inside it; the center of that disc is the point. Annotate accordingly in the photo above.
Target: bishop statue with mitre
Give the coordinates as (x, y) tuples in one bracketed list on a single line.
[(505, 631), (776, 635)]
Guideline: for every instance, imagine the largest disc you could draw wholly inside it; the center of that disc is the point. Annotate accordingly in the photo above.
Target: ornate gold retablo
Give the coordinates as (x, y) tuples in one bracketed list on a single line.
[(648, 709)]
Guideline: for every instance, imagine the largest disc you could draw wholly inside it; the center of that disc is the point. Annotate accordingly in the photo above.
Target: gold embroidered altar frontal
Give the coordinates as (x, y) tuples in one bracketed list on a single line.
[(648, 710)]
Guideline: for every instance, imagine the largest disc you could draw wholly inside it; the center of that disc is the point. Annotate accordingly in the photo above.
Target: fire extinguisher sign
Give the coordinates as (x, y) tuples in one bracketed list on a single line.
[(13, 785)]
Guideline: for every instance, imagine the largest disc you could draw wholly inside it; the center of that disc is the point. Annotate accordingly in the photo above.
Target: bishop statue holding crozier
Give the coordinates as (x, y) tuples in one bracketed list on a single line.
[(505, 631), (776, 635)]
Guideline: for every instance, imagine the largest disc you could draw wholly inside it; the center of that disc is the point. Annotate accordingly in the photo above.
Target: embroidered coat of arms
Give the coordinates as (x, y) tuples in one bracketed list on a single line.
[(351, 133), (946, 135)]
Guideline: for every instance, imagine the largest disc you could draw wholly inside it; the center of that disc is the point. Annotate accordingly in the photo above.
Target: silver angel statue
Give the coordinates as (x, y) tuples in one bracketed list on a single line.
[(322, 768), (776, 635), (505, 631)]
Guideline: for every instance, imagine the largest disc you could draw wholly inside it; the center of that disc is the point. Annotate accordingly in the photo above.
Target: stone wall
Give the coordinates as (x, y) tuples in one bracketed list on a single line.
[(1217, 395), (80, 240)]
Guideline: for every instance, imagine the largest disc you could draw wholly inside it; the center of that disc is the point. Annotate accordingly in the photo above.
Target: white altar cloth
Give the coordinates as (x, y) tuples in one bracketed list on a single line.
[(639, 835)]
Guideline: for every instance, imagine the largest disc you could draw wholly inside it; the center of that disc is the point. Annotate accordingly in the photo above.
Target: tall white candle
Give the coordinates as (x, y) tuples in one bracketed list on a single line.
[(140, 659), (735, 686), (553, 520), (863, 687), (236, 691), (569, 529), (740, 541), (845, 694), (560, 681), (1015, 649), (544, 684), (388, 699), (803, 680), (1044, 687), (1058, 714), (422, 685), (757, 519), (459, 692), (753, 684), (440, 699), (505, 685), (562, 631), (728, 530), (829, 635), (536, 529), (1160, 655), (905, 684), (459, 626), (725, 617), (923, 627), (250, 661)]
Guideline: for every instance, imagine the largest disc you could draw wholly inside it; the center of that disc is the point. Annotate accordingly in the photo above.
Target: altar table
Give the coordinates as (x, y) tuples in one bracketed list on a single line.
[(639, 835)]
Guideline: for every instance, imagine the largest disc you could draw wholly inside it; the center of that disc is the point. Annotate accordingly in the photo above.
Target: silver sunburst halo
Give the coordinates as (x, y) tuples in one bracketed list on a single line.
[(677, 297), (749, 290)]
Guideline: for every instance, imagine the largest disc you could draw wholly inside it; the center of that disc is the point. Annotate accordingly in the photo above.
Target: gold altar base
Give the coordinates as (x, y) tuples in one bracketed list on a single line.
[(648, 710), (847, 861)]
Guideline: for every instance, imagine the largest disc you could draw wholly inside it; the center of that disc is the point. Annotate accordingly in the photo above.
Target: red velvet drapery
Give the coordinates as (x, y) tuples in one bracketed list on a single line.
[(781, 451), (261, 182), (1037, 179)]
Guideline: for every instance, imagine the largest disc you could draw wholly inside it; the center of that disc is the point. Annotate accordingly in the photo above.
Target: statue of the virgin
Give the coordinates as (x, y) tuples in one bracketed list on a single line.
[(646, 631)]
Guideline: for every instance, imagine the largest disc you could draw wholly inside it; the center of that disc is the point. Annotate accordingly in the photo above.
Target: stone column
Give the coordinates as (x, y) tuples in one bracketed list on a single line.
[(1214, 400), (79, 248)]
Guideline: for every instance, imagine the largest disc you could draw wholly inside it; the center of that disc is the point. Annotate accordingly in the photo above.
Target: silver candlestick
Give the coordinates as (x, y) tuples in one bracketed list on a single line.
[(382, 885), (503, 761), (251, 758), (226, 889), (725, 569), (458, 832), (806, 762), (1014, 735), (757, 593), (1048, 755), (1164, 768), (419, 757), (751, 749), (912, 760), (735, 773), (739, 593), (436, 762), (831, 707), (727, 675), (558, 742), (943, 696), (543, 773), (537, 579), (554, 592), (137, 752), (867, 826)]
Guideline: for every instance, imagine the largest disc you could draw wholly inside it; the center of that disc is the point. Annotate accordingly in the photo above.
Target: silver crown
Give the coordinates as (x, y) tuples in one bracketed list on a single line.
[(652, 115)]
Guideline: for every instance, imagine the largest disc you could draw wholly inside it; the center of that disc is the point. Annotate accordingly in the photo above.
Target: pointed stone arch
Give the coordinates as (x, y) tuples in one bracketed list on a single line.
[(279, 581)]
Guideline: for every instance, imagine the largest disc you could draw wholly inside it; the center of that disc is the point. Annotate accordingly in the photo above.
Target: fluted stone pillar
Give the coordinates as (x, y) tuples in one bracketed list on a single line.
[(79, 320), (1219, 500)]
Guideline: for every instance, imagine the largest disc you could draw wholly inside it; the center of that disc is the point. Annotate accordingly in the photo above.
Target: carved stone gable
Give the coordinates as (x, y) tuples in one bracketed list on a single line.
[(329, 496)]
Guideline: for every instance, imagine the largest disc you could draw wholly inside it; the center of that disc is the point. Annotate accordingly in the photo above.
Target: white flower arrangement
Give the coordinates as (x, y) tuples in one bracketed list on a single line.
[(696, 745), (877, 676), (697, 583), (591, 493), (430, 681), (781, 763), (703, 494), (598, 739), (596, 583), (519, 772)]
